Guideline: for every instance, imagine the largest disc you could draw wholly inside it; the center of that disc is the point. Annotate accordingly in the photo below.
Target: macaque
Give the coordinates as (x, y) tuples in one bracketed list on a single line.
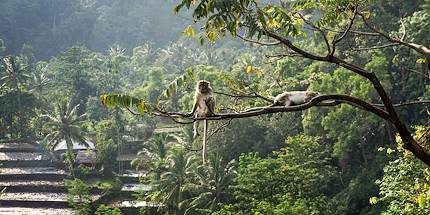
[(294, 98), (204, 106)]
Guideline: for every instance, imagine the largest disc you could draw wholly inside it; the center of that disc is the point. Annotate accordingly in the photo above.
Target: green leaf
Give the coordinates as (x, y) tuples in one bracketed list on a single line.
[(421, 61), (389, 151), (260, 16), (248, 70), (178, 82), (421, 201), (200, 39), (141, 107), (373, 200), (189, 31), (190, 72), (121, 100)]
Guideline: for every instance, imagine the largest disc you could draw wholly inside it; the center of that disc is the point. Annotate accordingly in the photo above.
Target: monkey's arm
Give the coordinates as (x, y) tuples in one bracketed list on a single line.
[(195, 105), (210, 103)]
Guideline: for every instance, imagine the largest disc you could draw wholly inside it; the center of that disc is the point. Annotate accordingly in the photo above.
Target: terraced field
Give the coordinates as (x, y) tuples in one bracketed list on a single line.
[(33, 185), (35, 211)]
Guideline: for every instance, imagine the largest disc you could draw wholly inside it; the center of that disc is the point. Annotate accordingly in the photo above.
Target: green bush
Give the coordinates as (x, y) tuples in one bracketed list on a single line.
[(79, 196), (105, 210)]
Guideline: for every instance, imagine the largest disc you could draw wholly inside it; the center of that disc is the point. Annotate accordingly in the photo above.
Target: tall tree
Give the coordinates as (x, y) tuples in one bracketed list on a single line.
[(65, 124), (211, 186), (284, 24), (170, 189), (13, 79)]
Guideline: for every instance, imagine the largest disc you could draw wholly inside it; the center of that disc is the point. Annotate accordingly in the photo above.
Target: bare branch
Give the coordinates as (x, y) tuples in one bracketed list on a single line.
[(331, 100), (258, 42), (351, 23), (172, 115), (317, 101), (296, 49), (253, 95), (401, 104), (426, 132), (375, 47), (364, 33), (280, 56), (356, 101), (319, 30), (220, 128), (417, 47), (352, 31)]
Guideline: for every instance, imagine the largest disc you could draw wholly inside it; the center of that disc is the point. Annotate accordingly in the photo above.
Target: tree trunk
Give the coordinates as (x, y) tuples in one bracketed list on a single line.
[(69, 156)]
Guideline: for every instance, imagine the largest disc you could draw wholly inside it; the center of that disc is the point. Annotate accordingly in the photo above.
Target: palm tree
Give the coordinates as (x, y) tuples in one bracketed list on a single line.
[(38, 81), (153, 154), (169, 190), (13, 76), (14, 73), (211, 187), (65, 124)]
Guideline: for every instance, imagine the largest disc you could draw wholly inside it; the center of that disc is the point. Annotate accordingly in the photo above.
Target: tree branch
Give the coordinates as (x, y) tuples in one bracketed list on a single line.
[(409, 143), (417, 47), (258, 42), (353, 32), (401, 104), (290, 45), (280, 56), (334, 99), (319, 30), (253, 95), (222, 126), (351, 23), (375, 47)]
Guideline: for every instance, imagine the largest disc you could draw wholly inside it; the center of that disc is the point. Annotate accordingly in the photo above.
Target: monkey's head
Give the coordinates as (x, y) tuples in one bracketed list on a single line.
[(204, 86)]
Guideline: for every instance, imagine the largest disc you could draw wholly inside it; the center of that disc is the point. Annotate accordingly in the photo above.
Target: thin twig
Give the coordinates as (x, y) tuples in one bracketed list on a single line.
[(165, 114), (258, 42), (253, 95), (353, 32), (219, 128), (351, 23), (318, 29), (375, 47), (427, 131), (280, 56), (401, 104), (417, 47)]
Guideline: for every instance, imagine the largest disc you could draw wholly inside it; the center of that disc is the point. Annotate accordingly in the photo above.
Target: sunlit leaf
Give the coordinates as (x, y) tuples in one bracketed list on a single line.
[(121, 100), (389, 151), (178, 82), (421, 61), (249, 70), (189, 31), (373, 200), (421, 200)]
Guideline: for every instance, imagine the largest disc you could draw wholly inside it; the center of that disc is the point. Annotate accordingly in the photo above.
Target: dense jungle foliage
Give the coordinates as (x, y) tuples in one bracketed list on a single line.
[(57, 57)]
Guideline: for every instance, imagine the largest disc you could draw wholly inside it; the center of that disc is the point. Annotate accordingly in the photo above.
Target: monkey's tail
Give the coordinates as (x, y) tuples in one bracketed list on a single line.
[(204, 145)]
